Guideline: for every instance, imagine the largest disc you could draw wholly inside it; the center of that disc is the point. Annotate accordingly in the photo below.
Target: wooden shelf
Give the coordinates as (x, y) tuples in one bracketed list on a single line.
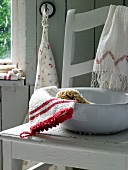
[(12, 82)]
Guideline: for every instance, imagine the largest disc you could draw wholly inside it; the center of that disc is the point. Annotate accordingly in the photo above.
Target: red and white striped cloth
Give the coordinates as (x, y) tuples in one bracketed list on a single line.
[(14, 74), (6, 76), (46, 111)]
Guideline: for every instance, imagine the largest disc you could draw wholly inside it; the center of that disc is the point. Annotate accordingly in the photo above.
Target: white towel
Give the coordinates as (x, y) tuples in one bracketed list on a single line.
[(110, 69), (46, 111), (46, 74), (14, 74)]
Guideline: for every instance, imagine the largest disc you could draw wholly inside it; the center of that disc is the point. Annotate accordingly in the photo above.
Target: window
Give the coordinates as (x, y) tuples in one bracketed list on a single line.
[(5, 29), (22, 49)]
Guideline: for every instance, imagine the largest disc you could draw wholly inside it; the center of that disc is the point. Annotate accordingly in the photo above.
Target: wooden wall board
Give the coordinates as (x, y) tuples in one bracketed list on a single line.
[(31, 47), (21, 46), (56, 32), (126, 2), (98, 4), (80, 5), (14, 105), (84, 41), (101, 3), (60, 28), (31, 91)]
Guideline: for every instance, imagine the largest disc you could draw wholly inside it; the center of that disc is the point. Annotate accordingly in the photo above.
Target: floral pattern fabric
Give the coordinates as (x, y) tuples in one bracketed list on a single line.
[(46, 71)]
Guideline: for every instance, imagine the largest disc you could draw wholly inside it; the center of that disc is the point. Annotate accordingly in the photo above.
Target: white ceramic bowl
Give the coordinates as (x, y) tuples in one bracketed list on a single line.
[(108, 115)]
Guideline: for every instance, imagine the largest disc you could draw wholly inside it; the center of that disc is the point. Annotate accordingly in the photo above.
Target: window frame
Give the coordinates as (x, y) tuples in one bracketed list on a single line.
[(24, 37)]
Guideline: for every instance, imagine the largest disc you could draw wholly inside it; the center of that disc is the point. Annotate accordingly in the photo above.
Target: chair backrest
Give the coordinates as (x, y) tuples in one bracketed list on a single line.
[(76, 23)]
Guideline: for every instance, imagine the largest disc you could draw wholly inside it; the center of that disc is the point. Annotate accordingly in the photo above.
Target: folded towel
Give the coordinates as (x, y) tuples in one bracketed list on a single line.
[(110, 69), (47, 111), (14, 74)]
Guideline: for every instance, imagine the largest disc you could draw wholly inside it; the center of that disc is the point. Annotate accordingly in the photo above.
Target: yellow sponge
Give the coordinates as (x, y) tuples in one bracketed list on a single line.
[(72, 94)]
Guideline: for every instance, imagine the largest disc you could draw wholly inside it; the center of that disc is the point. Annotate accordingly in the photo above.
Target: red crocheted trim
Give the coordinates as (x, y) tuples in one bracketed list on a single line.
[(53, 121), (25, 134), (48, 108), (112, 56)]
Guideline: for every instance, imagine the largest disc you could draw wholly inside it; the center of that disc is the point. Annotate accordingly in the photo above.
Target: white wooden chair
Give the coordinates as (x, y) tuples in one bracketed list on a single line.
[(76, 23)]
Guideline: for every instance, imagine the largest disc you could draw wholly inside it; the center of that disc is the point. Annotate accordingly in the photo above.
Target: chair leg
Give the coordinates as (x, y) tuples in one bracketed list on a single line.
[(8, 162), (68, 168)]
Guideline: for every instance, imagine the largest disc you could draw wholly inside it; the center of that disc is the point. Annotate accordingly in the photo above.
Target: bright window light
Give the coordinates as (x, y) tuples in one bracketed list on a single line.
[(5, 29)]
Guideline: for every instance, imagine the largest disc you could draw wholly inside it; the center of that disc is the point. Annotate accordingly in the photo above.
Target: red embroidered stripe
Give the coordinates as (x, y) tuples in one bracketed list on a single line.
[(48, 108), (42, 105), (9, 77), (5, 76), (112, 56), (120, 59)]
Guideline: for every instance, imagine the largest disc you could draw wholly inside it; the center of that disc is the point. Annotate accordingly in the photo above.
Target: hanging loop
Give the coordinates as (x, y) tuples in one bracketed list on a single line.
[(49, 7), (46, 7)]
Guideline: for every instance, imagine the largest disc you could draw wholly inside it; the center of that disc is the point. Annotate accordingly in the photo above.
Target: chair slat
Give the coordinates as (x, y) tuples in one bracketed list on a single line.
[(76, 23), (91, 19), (81, 68)]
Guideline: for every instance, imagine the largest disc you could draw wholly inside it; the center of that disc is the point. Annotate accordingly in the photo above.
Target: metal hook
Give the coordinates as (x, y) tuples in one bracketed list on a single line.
[(48, 6)]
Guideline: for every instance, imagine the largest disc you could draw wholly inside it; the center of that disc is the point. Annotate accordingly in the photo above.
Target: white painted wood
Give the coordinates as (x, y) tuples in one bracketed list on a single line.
[(24, 37), (116, 141), (78, 22), (7, 155), (67, 156), (68, 49), (73, 150), (82, 68), (8, 162), (14, 31), (19, 33), (90, 19), (14, 105), (12, 82)]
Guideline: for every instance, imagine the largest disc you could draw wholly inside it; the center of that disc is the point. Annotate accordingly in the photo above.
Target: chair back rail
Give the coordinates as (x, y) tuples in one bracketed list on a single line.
[(76, 23)]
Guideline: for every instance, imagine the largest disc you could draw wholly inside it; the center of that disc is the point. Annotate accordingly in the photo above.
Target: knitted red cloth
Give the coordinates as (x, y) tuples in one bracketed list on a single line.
[(46, 111)]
